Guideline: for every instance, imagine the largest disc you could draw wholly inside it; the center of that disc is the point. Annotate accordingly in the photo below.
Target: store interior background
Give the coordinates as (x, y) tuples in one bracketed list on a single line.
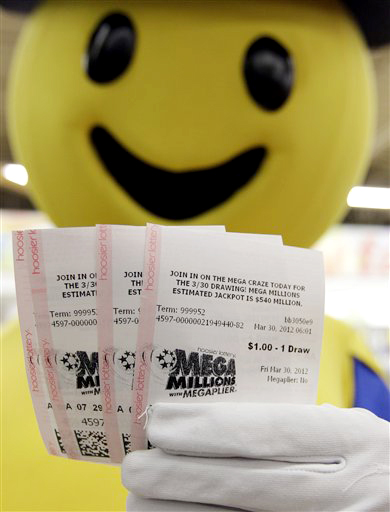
[(356, 251)]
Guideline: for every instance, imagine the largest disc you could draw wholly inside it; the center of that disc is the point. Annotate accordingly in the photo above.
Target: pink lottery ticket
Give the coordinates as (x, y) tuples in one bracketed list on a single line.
[(33, 361), (231, 318), (121, 248), (62, 272), (120, 258), (36, 267)]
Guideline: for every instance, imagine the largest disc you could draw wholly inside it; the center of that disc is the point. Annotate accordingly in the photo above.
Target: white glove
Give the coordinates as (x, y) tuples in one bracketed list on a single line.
[(263, 457)]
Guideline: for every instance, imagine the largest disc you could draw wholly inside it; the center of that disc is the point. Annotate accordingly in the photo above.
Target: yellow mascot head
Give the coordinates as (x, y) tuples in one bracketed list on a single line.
[(256, 114)]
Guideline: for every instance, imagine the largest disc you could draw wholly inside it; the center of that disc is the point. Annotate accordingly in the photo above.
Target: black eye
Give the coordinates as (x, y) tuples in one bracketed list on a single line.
[(110, 48), (269, 73)]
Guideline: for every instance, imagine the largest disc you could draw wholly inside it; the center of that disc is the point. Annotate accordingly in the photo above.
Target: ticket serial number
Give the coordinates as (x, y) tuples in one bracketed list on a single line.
[(204, 322), (82, 322)]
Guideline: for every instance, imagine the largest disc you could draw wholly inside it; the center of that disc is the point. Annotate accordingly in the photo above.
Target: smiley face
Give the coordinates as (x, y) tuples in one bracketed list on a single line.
[(253, 114), (268, 74)]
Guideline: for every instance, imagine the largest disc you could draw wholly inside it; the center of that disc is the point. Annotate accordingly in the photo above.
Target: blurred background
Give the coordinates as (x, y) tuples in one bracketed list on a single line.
[(356, 251)]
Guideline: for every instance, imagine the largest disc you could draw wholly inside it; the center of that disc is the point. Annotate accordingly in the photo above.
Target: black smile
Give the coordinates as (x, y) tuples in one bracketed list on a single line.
[(175, 195)]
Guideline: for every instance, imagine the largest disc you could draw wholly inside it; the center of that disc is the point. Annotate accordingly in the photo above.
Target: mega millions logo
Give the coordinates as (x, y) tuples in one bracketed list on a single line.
[(197, 373), (81, 367)]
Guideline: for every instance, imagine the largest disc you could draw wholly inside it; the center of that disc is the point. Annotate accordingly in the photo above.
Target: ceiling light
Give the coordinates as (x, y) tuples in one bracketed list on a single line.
[(369, 197), (15, 173)]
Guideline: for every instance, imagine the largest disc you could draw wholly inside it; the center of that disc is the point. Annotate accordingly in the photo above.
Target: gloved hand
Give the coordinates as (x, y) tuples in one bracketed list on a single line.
[(263, 457)]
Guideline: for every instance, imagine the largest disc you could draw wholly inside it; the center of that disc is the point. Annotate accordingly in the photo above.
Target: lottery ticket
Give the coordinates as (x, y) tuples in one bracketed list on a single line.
[(119, 267), (79, 300), (62, 273), (226, 320), (33, 362), (120, 255)]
